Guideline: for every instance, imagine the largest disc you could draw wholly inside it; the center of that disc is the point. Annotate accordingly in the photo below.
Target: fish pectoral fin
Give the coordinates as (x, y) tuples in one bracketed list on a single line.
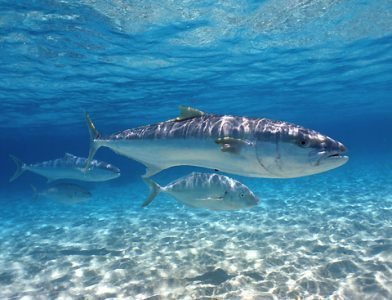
[(216, 198), (231, 145), (187, 112)]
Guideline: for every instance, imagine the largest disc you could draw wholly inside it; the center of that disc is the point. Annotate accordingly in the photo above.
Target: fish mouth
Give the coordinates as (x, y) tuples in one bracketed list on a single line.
[(328, 156), (336, 156)]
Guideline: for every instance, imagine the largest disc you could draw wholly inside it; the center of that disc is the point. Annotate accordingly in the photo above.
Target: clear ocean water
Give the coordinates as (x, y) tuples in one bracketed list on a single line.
[(323, 64)]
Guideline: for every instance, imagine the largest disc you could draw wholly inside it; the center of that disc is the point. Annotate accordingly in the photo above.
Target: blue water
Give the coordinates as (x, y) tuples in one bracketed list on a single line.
[(323, 64)]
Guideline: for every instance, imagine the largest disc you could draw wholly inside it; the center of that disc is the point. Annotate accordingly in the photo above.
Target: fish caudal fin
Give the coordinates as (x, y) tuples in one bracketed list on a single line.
[(94, 134), (19, 167), (155, 190)]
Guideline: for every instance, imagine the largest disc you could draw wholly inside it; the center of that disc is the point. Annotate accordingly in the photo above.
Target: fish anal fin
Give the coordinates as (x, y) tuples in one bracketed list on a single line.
[(187, 112), (231, 145), (36, 194)]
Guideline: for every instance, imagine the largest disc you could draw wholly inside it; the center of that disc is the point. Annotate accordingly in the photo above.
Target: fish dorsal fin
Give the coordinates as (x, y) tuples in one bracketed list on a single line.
[(187, 112), (69, 155)]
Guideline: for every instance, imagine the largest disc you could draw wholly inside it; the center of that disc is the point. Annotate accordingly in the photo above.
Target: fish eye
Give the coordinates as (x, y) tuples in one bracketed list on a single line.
[(304, 142)]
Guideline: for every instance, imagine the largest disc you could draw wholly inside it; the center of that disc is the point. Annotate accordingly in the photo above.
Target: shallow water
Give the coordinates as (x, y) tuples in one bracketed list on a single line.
[(319, 236), (322, 64)]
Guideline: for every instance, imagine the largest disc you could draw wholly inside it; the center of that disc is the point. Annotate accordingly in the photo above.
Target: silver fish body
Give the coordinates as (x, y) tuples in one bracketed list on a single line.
[(239, 145), (206, 190), (68, 167)]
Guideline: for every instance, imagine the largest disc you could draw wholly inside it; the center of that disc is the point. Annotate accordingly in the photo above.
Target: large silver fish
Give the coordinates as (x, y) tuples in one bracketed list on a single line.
[(64, 192), (68, 167), (239, 145), (206, 190)]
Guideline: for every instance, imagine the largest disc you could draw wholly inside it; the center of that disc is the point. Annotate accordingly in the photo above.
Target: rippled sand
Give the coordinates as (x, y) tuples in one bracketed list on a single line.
[(320, 236)]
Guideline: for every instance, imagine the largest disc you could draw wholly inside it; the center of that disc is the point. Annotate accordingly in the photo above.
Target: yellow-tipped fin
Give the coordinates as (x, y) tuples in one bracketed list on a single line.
[(187, 112)]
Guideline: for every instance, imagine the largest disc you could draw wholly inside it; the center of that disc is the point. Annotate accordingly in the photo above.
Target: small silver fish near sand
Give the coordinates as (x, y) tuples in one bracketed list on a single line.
[(206, 190), (68, 167), (68, 193)]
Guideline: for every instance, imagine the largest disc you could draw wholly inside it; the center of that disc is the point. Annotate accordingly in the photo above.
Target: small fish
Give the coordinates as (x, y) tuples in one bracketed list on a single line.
[(64, 192), (253, 147), (206, 190), (68, 167)]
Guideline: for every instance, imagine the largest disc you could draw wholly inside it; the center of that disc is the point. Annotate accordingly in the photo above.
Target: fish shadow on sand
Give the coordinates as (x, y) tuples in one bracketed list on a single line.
[(90, 252), (214, 277)]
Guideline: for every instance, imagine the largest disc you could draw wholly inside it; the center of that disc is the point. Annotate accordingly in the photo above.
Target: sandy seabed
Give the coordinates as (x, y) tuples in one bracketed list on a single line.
[(321, 236)]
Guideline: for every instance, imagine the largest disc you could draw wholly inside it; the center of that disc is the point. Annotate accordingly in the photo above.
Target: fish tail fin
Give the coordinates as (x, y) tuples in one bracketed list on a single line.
[(35, 192), (155, 190), (19, 167), (94, 134)]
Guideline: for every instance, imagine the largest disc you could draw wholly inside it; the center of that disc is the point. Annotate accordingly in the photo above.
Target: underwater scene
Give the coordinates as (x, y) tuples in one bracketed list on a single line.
[(195, 149)]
